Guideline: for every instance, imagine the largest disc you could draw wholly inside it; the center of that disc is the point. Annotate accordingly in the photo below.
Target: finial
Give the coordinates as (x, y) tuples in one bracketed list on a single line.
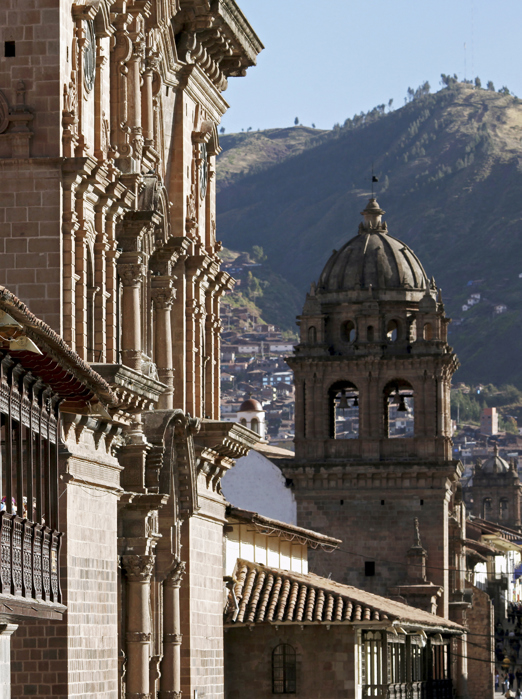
[(417, 540), (495, 449), (372, 214)]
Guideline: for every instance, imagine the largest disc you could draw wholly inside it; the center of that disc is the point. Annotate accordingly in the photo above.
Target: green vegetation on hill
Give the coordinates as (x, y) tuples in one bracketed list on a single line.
[(450, 171), (468, 406)]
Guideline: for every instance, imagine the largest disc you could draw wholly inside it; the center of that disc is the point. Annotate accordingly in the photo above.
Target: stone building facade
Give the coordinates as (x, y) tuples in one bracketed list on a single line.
[(496, 492), (374, 340), (108, 137)]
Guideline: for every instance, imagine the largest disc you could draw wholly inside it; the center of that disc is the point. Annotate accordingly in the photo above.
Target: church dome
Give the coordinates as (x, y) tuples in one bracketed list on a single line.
[(495, 464), (373, 258), (251, 405)]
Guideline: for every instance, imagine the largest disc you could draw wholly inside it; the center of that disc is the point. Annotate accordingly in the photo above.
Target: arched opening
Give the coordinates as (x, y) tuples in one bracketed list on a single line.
[(348, 332), (486, 508), (312, 335), (283, 669), (242, 421), (428, 331), (254, 425), (343, 410), (399, 408), (503, 508), (392, 331), (370, 334)]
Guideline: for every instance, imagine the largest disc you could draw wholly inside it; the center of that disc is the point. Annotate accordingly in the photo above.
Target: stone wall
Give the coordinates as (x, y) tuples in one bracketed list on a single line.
[(481, 681), (325, 661), (202, 598), (373, 514)]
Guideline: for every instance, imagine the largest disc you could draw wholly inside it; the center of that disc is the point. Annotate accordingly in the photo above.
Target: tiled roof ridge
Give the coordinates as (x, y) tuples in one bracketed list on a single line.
[(270, 595), (55, 345), (496, 527)]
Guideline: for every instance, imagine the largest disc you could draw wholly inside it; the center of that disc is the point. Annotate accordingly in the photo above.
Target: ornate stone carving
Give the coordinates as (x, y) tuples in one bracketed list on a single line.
[(138, 568), (176, 574), (137, 637), (169, 694), (89, 55), (174, 638), (163, 298), (138, 695), (131, 274)]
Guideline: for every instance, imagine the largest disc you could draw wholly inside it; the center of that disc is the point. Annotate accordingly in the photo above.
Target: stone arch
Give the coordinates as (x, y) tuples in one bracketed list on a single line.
[(393, 330), (398, 408), (348, 331), (343, 407), (312, 335)]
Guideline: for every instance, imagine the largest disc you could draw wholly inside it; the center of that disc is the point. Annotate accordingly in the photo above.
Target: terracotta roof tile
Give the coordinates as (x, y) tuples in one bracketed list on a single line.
[(272, 595)]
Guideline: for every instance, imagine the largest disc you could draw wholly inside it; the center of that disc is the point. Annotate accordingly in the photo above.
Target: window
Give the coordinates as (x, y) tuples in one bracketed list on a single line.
[(428, 331), (486, 508), (503, 508), (399, 404), (312, 335), (372, 670), (9, 49), (283, 669), (369, 569), (370, 335), (254, 425), (397, 661), (343, 410), (348, 332), (243, 421), (392, 331)]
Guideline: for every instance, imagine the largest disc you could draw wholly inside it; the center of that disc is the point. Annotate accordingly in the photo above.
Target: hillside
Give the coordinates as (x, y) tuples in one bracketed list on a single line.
[(450, 171)]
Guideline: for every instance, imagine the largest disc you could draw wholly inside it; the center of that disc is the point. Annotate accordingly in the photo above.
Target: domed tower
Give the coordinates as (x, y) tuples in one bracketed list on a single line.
[(252, 415), (496, 491), (373, 434)]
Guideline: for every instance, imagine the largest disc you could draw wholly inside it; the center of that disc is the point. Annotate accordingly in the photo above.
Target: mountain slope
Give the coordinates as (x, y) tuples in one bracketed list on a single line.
[(450, 170)]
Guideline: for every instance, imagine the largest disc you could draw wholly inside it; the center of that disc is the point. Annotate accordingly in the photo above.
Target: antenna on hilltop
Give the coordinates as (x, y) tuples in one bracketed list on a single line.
[(374, 179)]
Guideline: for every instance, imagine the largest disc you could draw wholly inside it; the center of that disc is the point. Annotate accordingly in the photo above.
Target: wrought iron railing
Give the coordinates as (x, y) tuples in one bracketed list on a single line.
[(29, 559)]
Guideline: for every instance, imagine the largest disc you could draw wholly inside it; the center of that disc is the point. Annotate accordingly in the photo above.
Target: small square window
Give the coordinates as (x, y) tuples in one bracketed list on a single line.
[(369, 568), (9, 49)]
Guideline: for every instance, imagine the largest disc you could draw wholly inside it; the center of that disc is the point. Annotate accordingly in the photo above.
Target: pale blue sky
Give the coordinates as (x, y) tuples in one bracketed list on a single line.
[(325, 60)]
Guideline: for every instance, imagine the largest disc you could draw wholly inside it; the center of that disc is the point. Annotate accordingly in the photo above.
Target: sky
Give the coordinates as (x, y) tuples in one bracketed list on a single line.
[(326, 60)]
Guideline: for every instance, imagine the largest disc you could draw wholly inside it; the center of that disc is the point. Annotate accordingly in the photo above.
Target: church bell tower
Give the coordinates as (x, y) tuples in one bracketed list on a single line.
[(373, 435)]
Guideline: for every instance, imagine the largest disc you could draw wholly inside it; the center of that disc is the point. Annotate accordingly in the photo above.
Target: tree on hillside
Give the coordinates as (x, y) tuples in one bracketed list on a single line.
[(313, 126), (478, 84), (222, 129), (249, 128), (296, 121), (504, 91), (490, 86), (390, 102), (258, 253)]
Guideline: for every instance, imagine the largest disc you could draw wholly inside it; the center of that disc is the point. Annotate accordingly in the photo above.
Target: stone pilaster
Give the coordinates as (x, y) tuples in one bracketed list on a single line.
[(170, 681), (138, 624), (131, 271), (163, 295)]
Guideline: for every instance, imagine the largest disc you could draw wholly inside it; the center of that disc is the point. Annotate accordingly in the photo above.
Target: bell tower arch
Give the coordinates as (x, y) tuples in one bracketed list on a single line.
[(373, 446)]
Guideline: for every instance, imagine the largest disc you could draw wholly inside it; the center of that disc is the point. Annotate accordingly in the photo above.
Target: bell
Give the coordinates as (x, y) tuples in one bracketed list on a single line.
[(356, 402), (343, 401), (402, 408)]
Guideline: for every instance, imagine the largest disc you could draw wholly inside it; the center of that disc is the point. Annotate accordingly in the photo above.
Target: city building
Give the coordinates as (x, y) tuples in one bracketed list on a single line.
[(489, 421), (374, 338), (290, 631), (496, 491), (109, 115)]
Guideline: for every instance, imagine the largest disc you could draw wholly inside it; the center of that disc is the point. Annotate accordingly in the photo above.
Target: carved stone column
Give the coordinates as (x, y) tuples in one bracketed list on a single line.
[(170, 681), (138, 624), (131, 275), (163, 295)]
